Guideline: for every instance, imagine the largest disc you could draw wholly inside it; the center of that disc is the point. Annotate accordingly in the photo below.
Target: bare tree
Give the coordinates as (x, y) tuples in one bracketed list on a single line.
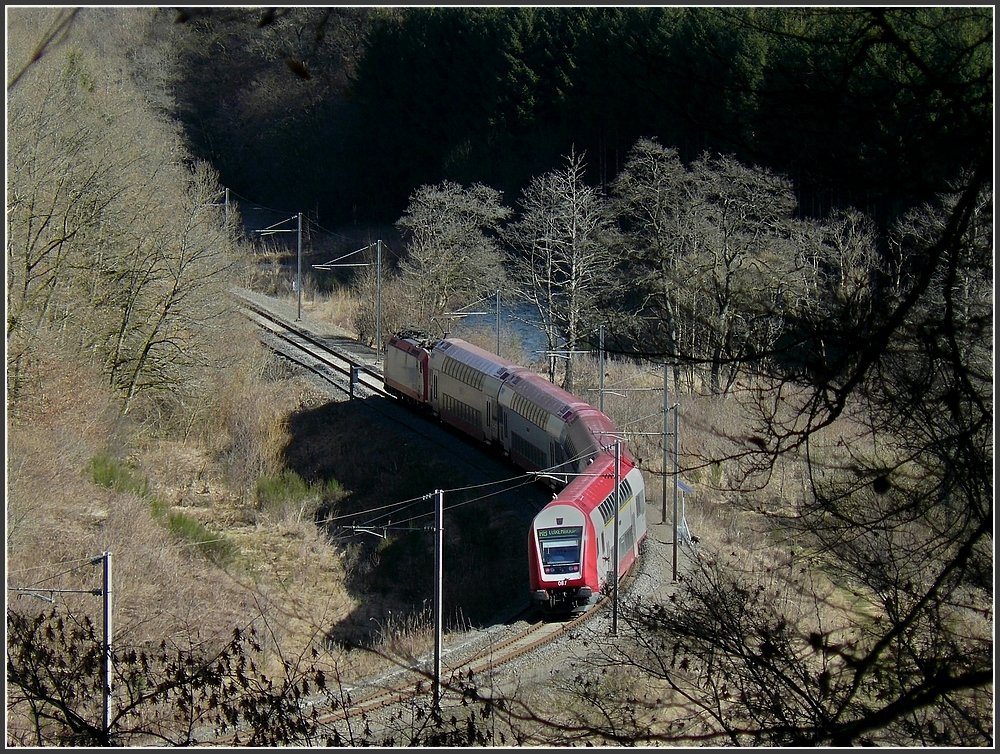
[(650, 198), (740, 260), (166, 695), (871, 622), (452, 256), (715, 249), (167, 295), (62, 182), (562, 257), (113, 242), (397, 310)]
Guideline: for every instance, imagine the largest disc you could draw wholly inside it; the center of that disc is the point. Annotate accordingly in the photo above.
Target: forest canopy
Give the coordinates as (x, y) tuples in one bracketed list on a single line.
[(400, 97)]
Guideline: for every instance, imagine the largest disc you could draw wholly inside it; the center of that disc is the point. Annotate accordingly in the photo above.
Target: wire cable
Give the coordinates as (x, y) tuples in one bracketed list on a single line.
[(90, 561), (258, 205), (525, 483), (51, 565), (521, 479), (411, 501), (642, 419), (328, 231)]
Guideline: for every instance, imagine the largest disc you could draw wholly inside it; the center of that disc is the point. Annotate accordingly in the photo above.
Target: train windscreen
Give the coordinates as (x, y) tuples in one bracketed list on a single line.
[(560, 548)]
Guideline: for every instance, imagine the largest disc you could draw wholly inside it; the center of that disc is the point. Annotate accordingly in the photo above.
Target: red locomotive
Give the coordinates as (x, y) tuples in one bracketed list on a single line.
[(544, 429)]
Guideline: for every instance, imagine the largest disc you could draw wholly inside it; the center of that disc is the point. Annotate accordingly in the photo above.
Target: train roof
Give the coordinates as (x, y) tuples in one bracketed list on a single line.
[(478, 358), (600, 426), (407, 343), (552, 398), (588, 490)]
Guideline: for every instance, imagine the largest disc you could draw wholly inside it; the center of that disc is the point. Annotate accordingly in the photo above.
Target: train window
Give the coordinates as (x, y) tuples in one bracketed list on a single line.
[(560, 552), (523, 407), (607, 509), (463, 372), (560, 548), (626, 490), (522, 447), (462, 411)]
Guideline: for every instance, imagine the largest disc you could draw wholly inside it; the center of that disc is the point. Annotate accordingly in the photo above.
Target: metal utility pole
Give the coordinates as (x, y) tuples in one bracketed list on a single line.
[(618, 477), (106, 664), (666, 433), (498, 321), (438, 579), (298, 273), (676, 407), (600, 364), (675, 471), (378, 285), (106, 556), (378, 300)]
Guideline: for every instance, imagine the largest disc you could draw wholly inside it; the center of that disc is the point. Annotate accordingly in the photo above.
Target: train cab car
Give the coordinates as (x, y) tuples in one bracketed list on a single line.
[(405, 371), (465, 382), (571, 541), (563, 570)]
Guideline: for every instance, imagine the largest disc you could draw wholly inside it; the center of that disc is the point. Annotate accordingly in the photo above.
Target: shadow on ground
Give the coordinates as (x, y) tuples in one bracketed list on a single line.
[(381, 464)]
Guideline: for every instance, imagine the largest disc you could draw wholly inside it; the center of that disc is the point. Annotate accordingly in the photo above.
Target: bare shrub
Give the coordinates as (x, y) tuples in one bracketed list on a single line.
[(396, 313), (243, 421), (339, 307)]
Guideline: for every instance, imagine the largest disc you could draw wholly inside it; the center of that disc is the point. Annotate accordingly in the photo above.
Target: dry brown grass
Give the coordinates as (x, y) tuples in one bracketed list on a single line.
[(159, 589), (285, 579), (338, 308)]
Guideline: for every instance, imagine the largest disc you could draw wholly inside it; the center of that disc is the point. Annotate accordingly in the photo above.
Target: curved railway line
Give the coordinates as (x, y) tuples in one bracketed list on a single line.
[(411, 682), (348, 366), (321, 358)]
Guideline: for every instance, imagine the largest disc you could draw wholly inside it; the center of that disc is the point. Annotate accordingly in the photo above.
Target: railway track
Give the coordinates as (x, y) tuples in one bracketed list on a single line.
[(341, 362), (411, 682), (335, 359)]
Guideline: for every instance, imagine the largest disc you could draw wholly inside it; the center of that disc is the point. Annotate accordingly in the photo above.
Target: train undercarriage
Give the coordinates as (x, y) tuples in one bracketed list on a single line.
[(562, 600)]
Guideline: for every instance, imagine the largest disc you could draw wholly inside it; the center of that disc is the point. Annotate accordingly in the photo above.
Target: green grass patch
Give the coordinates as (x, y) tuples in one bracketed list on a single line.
[(278, 489), (288, 493), (114, 474), (158, 508), (213, 545)]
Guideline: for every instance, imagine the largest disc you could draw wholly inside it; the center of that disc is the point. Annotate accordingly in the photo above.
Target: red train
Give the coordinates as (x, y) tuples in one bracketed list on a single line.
[(544, 429)]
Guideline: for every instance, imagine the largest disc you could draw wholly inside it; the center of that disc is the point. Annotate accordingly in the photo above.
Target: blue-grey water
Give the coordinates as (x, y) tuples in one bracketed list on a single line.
[(519, 318)]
